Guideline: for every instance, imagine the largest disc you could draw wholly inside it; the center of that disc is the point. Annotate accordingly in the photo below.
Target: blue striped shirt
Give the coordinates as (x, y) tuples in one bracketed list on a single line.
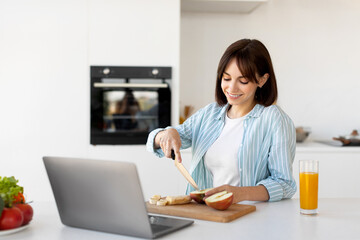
[(265, 156)]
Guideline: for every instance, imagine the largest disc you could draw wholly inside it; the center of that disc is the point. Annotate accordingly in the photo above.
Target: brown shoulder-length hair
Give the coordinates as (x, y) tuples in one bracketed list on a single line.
[(252, 58)]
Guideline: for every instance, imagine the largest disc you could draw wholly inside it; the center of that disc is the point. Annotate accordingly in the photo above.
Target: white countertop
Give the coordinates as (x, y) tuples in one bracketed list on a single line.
[(338, 219), (325, 146)]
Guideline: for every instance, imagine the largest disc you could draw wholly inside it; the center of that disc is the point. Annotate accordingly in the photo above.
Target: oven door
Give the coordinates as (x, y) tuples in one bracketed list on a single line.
[(125, 113)]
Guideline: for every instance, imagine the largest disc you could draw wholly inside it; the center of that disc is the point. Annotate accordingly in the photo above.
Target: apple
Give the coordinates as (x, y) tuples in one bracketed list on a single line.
[(198, 196), (11, 218), (26, 210), (220, 201)]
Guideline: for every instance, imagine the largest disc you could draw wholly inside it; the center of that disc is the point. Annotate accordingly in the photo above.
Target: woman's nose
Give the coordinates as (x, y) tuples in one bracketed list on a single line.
[(233, 85)]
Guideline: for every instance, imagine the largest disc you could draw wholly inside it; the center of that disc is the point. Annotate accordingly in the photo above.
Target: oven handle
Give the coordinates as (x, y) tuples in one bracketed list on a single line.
[(131, 85)]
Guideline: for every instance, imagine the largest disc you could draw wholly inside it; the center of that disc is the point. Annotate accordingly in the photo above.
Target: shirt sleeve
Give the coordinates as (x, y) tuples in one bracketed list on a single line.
[(281, 183), (185, 131), (150, 143)]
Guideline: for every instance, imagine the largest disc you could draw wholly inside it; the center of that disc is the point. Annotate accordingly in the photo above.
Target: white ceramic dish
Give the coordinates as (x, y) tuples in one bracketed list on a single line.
[(15, 230)]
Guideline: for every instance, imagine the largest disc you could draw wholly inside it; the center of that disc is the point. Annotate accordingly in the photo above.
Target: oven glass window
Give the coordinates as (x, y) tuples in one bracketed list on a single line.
[(130, 110)]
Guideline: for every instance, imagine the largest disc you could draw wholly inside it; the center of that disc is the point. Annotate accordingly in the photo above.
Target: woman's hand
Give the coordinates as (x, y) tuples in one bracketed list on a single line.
[(238, 197), (257, 193), (169, 140)]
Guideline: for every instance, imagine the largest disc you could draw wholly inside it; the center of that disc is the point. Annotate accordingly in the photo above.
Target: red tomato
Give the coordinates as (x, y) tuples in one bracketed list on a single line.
[(19, 198), (11, 218), (26, 210)]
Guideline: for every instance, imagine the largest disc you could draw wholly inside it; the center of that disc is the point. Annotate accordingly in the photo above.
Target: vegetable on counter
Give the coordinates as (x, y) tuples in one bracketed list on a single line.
[(14, 211), (10, 191)]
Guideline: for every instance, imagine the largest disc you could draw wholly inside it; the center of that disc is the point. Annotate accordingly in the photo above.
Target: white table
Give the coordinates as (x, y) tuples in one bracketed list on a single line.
[(338, 219)]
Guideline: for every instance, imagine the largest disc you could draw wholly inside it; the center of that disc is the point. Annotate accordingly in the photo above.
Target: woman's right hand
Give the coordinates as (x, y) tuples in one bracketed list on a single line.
[(168, 140)]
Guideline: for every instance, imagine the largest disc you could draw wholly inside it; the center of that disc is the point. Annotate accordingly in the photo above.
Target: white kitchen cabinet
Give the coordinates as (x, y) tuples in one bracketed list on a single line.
[(220, 6), (338, 168)]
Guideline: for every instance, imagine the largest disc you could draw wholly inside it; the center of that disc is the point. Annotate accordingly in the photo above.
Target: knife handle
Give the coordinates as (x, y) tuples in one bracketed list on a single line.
[(172, 154)]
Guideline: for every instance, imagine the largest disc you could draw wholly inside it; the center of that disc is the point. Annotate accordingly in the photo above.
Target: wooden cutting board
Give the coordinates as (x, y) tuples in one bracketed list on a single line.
[(202, 211)]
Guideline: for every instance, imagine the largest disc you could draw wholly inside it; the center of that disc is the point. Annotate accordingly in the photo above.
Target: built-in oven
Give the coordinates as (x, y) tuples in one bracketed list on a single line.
[(128, 102)]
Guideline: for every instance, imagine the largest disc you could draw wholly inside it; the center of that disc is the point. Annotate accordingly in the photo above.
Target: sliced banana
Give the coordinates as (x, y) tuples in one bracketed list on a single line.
[(174, 200), (169, 200), (161, 202), (156, 197), (153, 201)]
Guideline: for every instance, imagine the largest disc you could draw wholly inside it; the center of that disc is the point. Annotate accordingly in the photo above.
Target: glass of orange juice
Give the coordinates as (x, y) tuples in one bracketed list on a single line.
[(309, 185)]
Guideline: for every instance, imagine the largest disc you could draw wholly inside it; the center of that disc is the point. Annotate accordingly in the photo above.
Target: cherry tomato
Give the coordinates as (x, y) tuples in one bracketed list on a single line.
[(19, 198), (26, 210), (11, 218)]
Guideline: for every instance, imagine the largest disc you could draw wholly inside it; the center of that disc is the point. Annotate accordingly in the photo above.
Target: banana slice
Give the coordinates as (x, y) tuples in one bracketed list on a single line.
[(161, 202), (156, 197), (153, 201)]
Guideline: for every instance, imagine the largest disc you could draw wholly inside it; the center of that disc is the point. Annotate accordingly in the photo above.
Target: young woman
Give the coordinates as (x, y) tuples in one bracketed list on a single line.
[(243, 143)]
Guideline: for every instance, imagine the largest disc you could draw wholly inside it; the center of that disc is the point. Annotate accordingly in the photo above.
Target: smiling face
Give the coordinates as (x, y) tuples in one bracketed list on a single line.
[(239, 91), (254, 61)]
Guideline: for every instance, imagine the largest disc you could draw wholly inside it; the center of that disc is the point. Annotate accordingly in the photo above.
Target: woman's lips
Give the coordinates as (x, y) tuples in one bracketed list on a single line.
[(233, 96)]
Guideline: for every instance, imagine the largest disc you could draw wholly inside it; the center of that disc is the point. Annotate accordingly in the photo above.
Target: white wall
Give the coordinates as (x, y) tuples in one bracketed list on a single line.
[(314, 47), (46, 49)]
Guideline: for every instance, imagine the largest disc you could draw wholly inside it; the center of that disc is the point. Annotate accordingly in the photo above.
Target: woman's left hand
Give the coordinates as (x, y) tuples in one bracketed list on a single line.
[(238, 196), (255, 193)]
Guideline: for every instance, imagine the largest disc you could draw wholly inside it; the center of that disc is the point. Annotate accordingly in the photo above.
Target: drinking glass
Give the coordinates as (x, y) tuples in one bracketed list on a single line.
[(309, 185)]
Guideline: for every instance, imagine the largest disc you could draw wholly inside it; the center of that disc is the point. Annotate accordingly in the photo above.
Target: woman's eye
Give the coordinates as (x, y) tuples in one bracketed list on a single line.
[(226, 79), (243, 80)]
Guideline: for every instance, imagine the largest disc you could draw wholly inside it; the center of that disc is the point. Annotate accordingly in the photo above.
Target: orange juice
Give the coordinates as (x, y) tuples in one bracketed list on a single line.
[(309, 190)]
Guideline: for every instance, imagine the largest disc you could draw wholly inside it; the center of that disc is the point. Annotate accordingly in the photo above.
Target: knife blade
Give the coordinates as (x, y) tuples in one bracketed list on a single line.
[(183, 171)]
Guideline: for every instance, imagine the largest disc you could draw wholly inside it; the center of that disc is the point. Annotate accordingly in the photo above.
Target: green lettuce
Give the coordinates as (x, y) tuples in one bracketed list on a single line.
[(8, 190)]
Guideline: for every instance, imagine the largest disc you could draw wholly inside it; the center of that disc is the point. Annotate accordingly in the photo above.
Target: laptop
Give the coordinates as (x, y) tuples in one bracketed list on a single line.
[(105, 196)]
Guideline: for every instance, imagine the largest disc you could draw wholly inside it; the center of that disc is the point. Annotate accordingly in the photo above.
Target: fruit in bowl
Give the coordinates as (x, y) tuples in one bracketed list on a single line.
[(26, 210), (14, 211)]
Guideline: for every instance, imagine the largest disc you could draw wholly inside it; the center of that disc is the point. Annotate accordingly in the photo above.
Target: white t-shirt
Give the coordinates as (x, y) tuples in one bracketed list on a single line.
[(222, 157)]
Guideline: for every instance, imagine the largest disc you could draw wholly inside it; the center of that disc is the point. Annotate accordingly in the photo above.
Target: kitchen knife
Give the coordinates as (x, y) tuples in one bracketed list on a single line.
[(183, 171)]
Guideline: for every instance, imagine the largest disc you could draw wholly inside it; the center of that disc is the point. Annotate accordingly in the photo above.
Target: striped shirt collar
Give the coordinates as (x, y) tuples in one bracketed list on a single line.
[(255, 112)]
